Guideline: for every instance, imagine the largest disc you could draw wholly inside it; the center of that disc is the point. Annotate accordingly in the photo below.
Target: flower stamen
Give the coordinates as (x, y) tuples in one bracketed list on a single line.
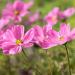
[(18, 42), (61, 38), (17, 12)]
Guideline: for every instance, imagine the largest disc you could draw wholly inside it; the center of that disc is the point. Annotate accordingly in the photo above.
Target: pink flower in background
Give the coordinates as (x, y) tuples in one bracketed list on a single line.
[(56, 14), (42, 37), (52, 17), (34, 17), (61, 37), (67, 13), (14, 39), (17, 10), (64, 35)]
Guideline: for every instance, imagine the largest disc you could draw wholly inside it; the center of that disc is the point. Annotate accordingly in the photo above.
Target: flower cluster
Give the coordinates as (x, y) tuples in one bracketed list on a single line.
[(13, 37)]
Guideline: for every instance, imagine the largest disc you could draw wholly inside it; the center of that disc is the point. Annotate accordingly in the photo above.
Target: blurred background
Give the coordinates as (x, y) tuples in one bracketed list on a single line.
[(36, 61)]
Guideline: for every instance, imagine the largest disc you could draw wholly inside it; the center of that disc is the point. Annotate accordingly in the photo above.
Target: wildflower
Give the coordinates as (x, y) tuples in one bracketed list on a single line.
[(64, 35), (14, 39), (52, 17), (42, 37), (66, 13), (17, 10)]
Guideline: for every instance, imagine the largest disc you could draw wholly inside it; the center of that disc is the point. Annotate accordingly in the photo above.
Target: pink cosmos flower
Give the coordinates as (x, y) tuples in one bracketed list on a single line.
[(67, 13), (64, 35), (14, 39), (52, 17), (59, 37), (42, 37), (17, 10), (56, 14)]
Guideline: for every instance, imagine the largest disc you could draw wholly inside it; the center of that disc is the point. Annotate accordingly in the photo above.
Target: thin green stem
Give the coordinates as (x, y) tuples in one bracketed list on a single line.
[(46, 50), (67, 55), (24, 53)]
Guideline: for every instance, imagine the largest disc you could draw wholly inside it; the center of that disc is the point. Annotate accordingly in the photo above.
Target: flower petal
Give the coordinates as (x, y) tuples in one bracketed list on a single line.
[(28, 36), (47, 44), (9, 36), (12, 50), (39, 35), (28, 45), (18, 5), (47, 28), (64, 29), (72, 36), (69, 12), (18, 31)]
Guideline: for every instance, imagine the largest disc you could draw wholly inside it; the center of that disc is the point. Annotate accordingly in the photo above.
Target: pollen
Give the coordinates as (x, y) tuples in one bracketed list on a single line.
[(17, 12), (61, 38), (18, 42)]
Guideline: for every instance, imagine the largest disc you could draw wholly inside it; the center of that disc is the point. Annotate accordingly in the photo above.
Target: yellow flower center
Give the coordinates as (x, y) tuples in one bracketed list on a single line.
[(61, 38), (18, 42), (17, 12)]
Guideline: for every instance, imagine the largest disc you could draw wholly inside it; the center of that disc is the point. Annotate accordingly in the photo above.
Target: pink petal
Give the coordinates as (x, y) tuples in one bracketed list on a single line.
[(53, 34), (8, 11), (7, 44), (39, 35), (18, 31), (12, 50), (15, 50), (64, 29), (46, 44), (72, 36), (7, 48), (28, 45), (28, 36), (9, 36), (55, 10), (18, 5), (47, 28), (34, 17), (52, 17), (17, 19), (23, 13), (69, 12), (28, 5), (3, 22)]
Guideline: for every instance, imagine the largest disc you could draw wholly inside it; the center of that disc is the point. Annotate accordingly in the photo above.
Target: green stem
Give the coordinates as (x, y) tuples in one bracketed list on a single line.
[(24, 53), (67, 55), (46, 51)]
